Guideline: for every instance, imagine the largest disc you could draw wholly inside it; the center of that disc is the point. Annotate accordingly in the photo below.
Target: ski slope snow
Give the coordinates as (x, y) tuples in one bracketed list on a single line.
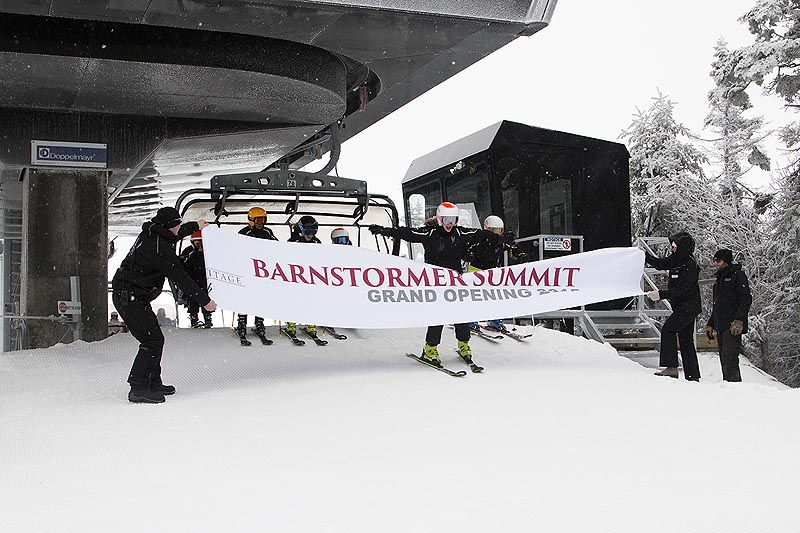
[(558, 434)]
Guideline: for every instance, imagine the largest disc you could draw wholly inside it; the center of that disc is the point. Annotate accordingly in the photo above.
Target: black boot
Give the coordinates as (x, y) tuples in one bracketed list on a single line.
[(207, 321), (140, 395), (166, 390), (193, 321)]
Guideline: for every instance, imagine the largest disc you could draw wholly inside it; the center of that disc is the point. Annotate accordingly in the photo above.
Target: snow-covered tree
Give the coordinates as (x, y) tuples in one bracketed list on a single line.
[(665, 171), (773, 62)]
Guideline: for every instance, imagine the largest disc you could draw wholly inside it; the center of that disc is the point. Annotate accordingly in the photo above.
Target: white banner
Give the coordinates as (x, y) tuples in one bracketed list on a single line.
[(347, 286)]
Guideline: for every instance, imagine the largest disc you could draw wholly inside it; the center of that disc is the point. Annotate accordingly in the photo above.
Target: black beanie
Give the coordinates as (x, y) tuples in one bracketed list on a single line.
[(167, 217), (724, 254)]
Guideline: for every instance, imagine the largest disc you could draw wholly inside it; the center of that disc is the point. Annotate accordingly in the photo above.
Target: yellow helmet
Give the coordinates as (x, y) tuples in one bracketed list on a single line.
[(255, 213)]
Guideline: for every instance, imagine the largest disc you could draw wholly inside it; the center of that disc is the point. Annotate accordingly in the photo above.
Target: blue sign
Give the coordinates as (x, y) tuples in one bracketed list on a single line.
[(69, 154)]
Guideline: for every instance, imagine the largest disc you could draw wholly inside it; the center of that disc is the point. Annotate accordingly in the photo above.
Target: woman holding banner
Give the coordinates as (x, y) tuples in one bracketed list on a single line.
[(445, 245)]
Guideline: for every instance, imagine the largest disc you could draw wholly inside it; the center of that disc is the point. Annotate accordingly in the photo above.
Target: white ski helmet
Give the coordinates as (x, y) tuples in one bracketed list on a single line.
[(493, 222), (339, 233), (446, 209)]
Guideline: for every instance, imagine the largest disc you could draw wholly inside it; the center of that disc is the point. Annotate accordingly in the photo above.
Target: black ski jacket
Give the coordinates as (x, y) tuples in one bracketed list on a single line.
[(683, 290), (263, 233), (487, 250), (732, 298), (194, 262), (152, 259), (296, 236), (442, 248)]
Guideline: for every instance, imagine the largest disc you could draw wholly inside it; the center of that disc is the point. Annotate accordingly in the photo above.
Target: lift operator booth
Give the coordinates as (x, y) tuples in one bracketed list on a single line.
[(549, 187)]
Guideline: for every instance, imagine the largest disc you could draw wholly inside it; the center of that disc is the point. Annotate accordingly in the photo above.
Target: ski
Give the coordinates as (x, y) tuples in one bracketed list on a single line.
[(507, 333), (332, 332), (459, 374), (472, 366), (293, 337), (313, 337), (484, 335), (261, 335)]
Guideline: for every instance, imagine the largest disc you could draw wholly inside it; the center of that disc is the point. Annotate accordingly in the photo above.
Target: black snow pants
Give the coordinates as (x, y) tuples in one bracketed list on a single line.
[(143, 325), (434, 335), (681, 326), (729, 348)]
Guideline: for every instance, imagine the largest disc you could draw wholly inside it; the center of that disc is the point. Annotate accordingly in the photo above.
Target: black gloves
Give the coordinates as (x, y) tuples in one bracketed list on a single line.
[(469, 258), (375, 229)]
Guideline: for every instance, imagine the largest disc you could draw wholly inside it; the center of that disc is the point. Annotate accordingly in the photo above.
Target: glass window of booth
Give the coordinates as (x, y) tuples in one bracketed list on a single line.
[(469, 184)]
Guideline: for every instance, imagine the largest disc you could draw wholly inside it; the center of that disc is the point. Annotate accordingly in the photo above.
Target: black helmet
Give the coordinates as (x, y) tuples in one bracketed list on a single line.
[(307, 225)]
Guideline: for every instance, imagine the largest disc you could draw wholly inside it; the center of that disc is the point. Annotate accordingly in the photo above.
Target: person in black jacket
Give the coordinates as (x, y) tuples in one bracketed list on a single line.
[(728, 318), (304, 231), (487, 252), (138, 281), (194, 262), (256, 220), (683, 292), (445, 245)]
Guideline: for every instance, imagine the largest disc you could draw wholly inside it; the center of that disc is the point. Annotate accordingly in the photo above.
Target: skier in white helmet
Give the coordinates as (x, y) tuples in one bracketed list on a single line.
[(445, 245), (487, 253)]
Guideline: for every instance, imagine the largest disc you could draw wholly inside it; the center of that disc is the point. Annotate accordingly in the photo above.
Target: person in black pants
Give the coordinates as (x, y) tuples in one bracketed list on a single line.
[(304, 231), (445, 245), (683, 292), (256, 220), (194, 262), (728, 318), (137, 282)]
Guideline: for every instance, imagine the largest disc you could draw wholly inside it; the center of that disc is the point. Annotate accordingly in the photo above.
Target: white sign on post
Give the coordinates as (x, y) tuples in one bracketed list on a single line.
[(69, 308), (558, 244)]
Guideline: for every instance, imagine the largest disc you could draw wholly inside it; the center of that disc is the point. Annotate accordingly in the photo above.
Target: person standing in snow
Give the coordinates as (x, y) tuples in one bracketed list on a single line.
[(138, 281), (683, 292), (445, 245), (728, 318), (194, 262), (487, 253)]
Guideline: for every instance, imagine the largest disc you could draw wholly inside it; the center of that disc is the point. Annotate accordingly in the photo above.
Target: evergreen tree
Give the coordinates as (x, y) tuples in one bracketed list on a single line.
[(665, 172), (773, 62), (734, 151)]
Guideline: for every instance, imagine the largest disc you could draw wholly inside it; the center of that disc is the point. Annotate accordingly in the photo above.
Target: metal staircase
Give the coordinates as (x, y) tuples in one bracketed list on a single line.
[(636, 326)]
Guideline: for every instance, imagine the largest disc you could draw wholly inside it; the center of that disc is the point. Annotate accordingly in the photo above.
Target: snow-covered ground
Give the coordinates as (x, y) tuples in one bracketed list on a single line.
[(558, 434)]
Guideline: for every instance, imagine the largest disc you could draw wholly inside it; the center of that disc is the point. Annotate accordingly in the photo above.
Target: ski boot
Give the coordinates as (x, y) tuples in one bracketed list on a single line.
[(194, 322), (291, 328), (312, 330), (207, 321), (465, 351), (496, 325), (431, 355), (260, 328), (241, 331), (474, 326)]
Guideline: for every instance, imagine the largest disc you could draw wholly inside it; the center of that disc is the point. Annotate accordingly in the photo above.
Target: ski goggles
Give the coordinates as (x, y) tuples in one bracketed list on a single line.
[(307, 231), (499, 231), (260, 221), (340, 240), (448, 220)]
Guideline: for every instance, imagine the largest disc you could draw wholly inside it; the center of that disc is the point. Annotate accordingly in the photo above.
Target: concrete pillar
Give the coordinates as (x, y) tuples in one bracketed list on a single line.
[(64, 233)]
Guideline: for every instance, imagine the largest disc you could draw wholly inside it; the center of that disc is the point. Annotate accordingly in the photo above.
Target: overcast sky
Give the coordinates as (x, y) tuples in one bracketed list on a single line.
[(586, 74)]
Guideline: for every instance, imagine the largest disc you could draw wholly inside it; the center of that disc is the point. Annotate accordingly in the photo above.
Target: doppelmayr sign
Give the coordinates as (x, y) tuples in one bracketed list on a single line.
[(69, 154)]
